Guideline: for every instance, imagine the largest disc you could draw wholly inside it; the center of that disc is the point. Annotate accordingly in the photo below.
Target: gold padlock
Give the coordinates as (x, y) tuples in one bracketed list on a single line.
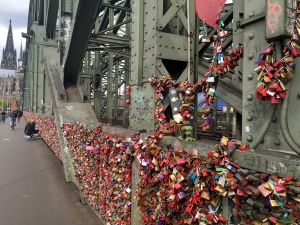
[(205, 39)]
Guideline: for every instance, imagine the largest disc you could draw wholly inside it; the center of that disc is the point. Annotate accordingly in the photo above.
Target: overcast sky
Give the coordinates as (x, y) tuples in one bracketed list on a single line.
[(17, 11)]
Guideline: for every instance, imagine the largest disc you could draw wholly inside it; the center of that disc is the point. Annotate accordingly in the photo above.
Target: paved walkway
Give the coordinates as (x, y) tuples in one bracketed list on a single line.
[(32, 186)]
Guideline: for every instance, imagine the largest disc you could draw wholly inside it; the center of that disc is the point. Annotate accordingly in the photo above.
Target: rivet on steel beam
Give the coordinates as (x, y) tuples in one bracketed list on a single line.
[(160, 26), (250, 55), (274, 119), (262, 141), (251, 35), (250, 97), (298, 94), (252, 13), (177, 5), (250, 138), (277, 142), (250, 76), (159, 65), (166, 46), (250, 118), (159, 53)]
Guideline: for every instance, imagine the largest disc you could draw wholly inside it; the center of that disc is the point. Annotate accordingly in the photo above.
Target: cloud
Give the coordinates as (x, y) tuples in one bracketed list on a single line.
[(17, 11)]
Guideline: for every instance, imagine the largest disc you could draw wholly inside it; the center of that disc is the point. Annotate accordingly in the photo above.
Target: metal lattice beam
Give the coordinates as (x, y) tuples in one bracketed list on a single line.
[(78, 43)]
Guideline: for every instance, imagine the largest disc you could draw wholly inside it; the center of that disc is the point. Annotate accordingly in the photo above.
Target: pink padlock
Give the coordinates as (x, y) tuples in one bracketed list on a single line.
[(222, 33)]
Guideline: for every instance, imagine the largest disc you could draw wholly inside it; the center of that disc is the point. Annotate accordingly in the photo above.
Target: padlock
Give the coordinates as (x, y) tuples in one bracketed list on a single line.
[(222, 33), (188, 209), (205, 39), (180, 195)]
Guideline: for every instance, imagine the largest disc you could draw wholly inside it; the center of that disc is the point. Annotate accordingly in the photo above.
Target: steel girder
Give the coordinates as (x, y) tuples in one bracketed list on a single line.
[(52, 10), (110, 39), (78, 42)]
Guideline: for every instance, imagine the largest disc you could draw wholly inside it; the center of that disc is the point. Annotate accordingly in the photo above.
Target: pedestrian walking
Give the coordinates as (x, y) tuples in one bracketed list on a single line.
[(13, 117), (3, 115), (19, 115)]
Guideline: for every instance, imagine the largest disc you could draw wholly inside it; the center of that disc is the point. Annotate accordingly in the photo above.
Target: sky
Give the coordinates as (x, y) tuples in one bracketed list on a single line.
[(17, 11)]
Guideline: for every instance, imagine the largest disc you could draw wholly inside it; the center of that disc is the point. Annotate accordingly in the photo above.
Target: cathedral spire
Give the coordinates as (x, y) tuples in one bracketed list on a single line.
[(10, 39), (9, 57)]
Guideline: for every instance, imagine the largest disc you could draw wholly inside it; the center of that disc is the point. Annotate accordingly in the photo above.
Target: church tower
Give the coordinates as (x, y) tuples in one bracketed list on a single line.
[(9, 55)]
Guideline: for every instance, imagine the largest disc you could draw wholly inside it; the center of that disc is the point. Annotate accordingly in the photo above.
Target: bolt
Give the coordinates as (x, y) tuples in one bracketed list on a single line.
[(250, 55), (250, 76), (250, 138), (277, 142), (159, 53), (160, 27), (251, 35), (250, 97), (250, 118)]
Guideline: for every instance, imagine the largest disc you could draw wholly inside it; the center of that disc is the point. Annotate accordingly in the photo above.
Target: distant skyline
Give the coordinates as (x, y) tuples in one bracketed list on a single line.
[(17, 11)]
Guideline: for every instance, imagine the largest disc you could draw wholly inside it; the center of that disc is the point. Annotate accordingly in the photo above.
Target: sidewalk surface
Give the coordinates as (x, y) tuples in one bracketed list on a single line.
[(32, 186)]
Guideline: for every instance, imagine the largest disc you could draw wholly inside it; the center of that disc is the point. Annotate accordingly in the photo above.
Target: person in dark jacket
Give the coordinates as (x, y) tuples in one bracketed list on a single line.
[(13, 116), (30, 130), (19, 115), (3, 115)]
